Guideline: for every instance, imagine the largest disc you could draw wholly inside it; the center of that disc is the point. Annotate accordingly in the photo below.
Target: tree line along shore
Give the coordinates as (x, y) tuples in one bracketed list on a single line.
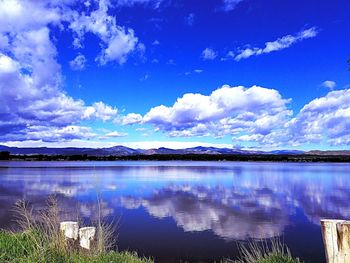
[(182, 157)]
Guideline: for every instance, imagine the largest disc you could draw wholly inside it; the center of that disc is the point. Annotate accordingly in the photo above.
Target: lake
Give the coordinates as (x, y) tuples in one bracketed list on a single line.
[(194, 211)]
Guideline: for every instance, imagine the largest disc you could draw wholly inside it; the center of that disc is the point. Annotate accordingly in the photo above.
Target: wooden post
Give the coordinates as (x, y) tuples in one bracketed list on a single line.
[(86, 234), (336, 239), (69, 229)]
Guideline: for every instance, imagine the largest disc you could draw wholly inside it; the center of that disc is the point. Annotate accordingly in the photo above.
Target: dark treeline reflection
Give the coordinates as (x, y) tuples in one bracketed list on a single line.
[(192, 204)]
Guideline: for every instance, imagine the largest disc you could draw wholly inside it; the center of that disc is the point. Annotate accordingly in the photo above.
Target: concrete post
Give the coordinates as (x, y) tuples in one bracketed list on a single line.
[(70, 229), (86, 234)]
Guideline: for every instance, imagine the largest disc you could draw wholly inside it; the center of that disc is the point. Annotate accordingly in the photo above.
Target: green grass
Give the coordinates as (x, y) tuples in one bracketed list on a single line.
[(278, 258), (269, 251), (20, 247)]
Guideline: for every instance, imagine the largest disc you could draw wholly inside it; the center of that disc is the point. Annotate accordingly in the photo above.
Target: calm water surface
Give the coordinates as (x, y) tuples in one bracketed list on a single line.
[(194, 211)]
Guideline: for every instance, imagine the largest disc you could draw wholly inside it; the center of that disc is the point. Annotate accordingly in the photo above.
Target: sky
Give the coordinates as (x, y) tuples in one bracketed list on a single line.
[(248, 74)]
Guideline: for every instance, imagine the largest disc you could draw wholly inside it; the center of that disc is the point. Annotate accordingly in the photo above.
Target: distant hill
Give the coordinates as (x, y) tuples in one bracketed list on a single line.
[(317, 152), (286, 152), (116, 150), (126, 151)]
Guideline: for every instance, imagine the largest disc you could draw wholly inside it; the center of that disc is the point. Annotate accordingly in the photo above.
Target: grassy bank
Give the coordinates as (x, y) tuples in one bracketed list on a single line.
[(22, 247), (270, 251)]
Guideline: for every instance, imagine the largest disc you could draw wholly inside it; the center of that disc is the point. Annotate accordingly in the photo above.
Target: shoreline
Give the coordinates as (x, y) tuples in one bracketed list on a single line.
[(285, 158)]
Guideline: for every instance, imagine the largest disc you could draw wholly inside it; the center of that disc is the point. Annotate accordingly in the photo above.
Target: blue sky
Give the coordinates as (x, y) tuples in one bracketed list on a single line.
[(148, 73)]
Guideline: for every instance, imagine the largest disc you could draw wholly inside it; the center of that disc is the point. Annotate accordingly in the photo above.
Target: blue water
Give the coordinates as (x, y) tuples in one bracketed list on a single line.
[(194, 211)]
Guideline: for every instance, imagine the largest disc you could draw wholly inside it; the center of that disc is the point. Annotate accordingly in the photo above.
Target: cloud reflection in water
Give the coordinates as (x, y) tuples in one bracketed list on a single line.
[(233, 200)]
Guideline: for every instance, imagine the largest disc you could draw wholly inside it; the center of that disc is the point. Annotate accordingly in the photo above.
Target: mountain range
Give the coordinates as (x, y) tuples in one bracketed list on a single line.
[(120, 150)]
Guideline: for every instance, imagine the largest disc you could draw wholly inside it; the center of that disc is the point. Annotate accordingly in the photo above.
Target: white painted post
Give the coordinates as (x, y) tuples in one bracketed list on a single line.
[(86, 234), (336, 238), (69, 229)]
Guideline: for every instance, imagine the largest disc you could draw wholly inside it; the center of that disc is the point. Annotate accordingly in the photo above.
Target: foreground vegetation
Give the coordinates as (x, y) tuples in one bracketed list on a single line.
[(273, 251), (20, 247), (40, 240)]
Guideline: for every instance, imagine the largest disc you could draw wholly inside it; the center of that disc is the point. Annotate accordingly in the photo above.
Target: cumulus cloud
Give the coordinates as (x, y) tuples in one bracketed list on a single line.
[(53, 134), (227, 110), (209, 54), (119, 47), (330, 84), (78, 63), (279, 44), (117, 41), (99, 110), (26, 15), (33, 105), (253, 115), (323, 119), (131, 118)]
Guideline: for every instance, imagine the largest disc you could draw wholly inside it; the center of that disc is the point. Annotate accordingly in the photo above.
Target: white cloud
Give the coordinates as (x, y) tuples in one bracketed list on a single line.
[(330, 84), (190, 19), (154, 3), (54, 134), (131, 118), (99, 110), (114, 134), (119, 47), (246, 53), (325, 119), (7, 65), (230, 5), (230, 55), (78, 63), (118, 42), (155, 43), (226, 111), (32, 102), (255, 115), (4, 42), (24, 15), (196, 71), (171, 62), (209, 54), (145, 77), (101, 144), (281, 43)]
